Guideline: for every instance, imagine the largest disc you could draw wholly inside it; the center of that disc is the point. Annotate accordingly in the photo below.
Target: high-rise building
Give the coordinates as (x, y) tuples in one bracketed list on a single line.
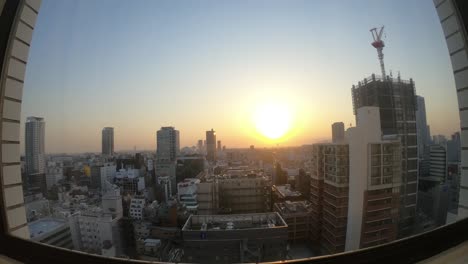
[(108, 141), (35, 145), (421, 125), (438, 163), (396, 100), (211, 145), (454, 148), (338, 132), (200, 146), (355, 188), (168, 145), (219, 145), (439, 139)]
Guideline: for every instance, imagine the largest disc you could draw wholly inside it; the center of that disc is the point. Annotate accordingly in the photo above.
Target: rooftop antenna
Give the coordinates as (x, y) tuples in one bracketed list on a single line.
[(379, 45)]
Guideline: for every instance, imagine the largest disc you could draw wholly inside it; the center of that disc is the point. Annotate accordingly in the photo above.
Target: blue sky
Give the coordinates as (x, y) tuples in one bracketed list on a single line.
[(197, 65)]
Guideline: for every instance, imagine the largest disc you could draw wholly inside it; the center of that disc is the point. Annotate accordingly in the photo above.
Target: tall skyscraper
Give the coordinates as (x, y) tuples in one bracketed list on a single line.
[(219, 145), (337, 132), (421, 126), (200, 146), (168, 144), (35, 145), (211, 145), (396, 100), (108, 141)]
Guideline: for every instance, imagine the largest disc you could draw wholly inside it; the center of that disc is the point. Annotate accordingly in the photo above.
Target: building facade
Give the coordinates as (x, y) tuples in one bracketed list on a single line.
[(235, 238), (108, 141), (35, 145), (211, 145), (168, 144), (52, 231), (338, 134), (397, 103), (421, 126)]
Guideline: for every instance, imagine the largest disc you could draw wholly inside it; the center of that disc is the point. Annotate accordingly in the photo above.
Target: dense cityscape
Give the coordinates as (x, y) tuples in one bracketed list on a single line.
[(383, 179)]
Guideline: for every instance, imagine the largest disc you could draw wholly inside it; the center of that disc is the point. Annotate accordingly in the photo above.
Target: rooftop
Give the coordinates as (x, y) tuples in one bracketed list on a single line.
[(233, 222), (45, 225), (296, 207), (285, 191)]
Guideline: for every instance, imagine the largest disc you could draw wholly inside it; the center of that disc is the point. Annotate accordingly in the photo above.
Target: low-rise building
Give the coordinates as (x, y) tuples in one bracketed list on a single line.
[(187, 194), (297, 215), (235, 238), (52, 231)]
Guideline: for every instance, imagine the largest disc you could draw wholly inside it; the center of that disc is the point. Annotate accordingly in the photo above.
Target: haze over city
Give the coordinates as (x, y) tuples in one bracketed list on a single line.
[(218, 64)]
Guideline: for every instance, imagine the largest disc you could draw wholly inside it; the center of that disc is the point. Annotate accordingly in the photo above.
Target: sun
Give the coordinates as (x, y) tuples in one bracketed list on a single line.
[(272, 120)]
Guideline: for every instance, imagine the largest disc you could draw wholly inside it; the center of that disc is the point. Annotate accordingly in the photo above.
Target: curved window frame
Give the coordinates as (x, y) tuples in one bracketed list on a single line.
[(17, 22)]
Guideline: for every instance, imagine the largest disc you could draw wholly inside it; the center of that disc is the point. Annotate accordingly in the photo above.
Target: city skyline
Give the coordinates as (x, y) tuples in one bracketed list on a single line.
[(271, 54)]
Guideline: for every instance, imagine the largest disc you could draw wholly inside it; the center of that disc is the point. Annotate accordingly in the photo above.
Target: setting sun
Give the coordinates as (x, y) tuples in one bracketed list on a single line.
[(272, 120)]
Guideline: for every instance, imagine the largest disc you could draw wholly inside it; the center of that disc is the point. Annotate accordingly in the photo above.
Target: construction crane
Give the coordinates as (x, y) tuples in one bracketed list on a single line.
[(379, 45)]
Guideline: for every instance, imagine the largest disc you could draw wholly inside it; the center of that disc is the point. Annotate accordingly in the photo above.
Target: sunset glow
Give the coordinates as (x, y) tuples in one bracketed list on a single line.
[(272, 120)]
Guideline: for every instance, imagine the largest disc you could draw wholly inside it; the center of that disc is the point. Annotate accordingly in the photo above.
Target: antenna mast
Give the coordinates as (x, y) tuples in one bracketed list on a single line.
[(379, 45)]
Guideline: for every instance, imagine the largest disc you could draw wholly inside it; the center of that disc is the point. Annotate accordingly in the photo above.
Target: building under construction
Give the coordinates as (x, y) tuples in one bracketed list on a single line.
[(396, 100)]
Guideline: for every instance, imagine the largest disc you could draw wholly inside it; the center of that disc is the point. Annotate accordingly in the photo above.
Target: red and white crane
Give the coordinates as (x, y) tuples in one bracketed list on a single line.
[(379, 45)]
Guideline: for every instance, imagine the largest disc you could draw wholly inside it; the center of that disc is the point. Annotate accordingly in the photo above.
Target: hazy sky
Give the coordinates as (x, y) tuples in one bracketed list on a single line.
[(197, 65)]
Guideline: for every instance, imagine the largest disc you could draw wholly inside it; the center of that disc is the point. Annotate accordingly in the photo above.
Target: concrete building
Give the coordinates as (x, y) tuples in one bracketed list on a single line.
[(355, 188), (167, 169), (316, 194), (211, 145), (454, 148), (200, 147), (187, 194), (130, 181), (108, 141), (137, 204), (94, 231), (297, 215), (239, 193), (53, 175), (35, 145), (36, 207), (189, 167), (421, 126), (374, 182), (168, 144), (396, 100), (52, 231), (166, 184), (439, 140), (235, 238), (438, 163), (101, 173), (338, 132), (283, 193), (332, 167)]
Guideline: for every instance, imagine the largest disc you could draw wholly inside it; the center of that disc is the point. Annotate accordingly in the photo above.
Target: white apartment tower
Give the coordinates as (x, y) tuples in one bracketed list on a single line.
[(374, 182), (35, 145)]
